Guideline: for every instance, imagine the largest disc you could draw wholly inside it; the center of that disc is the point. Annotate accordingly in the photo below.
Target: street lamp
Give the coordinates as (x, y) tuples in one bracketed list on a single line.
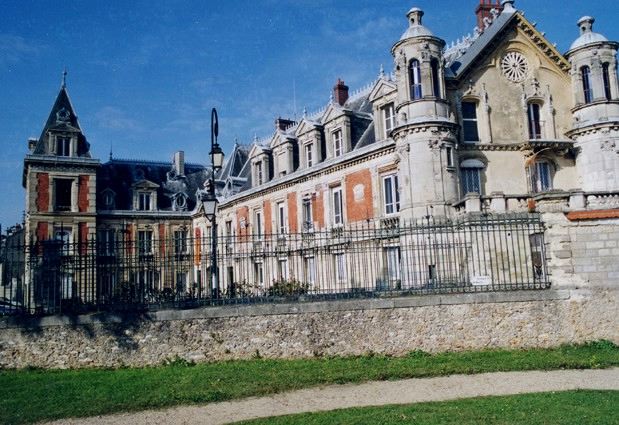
[(209, 200)]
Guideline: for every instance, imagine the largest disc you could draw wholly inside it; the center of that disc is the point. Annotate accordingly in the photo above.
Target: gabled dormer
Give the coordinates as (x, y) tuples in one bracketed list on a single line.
[(285, 148), (337, 129), (144, 195), (311, 143), (62, 135), (383, 97), (260, 159)]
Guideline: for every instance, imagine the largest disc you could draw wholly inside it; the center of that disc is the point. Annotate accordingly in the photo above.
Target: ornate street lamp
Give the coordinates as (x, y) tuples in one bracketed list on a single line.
[(209, 200)]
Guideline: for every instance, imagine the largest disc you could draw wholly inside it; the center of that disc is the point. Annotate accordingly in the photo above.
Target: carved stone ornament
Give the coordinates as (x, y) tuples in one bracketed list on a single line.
[(515, 67)]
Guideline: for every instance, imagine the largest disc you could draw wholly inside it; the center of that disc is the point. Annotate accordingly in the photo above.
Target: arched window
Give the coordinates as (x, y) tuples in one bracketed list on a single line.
[(606, 77), (415, 79), (541, 176), (470, 176), (436, 83), (586, 83), (535, 127)]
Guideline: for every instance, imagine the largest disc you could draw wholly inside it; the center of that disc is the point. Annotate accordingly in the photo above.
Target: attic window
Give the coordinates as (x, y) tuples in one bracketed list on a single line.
[(63, 146), (337, 143), (108, 200), (144, 201), (180, 202)]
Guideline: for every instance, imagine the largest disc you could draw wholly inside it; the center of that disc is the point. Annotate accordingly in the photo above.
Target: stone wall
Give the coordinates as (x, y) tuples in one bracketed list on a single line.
[(391, 326)]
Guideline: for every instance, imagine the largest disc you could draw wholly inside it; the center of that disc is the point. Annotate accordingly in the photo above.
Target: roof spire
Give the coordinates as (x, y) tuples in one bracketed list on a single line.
[(111, 150), (64, 78)]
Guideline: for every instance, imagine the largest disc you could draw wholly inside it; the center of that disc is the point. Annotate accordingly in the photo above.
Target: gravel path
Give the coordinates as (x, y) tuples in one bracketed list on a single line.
[(368, 394)]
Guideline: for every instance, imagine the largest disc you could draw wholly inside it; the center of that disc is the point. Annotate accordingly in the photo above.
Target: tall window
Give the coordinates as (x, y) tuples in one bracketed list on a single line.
[(391, 193), (64, 235), (258, 273), (436, 83), (180, 241), (259, 173), (535, 127), (415, 79), (62, 194), (145, 242), (470, 176), (281, 218), (282, 268), (144, 201), (541, 176), (106, 242), (586, 83), (338, 147), (606, 78), (258, 224), (392, 257), (337, 206), (339, 263), (309, 270), (307, 214), (469, 122), (449, 153), (63, 146), (309, 160), (389, 118)]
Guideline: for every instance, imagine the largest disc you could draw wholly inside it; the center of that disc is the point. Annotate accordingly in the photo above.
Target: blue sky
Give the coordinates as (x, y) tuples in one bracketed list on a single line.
[(143, 75)]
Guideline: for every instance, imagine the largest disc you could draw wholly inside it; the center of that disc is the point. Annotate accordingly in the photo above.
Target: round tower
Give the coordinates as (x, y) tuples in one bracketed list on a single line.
[(425, 135), (595, 128)]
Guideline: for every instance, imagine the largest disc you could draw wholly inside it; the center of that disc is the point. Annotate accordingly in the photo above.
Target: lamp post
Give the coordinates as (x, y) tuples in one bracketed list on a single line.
[(209, 200)]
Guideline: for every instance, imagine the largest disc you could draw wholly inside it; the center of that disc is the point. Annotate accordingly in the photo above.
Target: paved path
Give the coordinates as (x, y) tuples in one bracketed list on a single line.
[(368, 394)]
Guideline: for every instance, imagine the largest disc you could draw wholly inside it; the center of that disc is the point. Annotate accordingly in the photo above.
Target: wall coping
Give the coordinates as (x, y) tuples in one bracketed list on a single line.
[(290, 308)]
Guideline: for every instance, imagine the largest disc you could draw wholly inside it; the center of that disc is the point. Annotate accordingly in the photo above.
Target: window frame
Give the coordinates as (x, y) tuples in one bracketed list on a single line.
[(63, 146), (388, 118), (466, 171), (145, 200), (541, 180), (337, 219), (339, 266), (309, 153), (282, 218), (66, 194), (181, 246), (307, 214), (145, 242), (473, 122), (416, 90), (338, 142), (393, 207), (587, 88), (606, 80), (534, 120)]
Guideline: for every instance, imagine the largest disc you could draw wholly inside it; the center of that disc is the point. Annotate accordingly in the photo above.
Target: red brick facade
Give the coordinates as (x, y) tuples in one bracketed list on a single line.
[(242, 215), (359, 204), (42, 231), (197, 246), (82, 193), (267, 217), (292, 212), (318, 208), (42, 192), (83, 235)]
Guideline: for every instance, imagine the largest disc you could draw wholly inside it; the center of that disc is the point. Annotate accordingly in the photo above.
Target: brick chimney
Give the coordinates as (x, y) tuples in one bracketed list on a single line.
[(483, 11), (340, 92), (283, 124)]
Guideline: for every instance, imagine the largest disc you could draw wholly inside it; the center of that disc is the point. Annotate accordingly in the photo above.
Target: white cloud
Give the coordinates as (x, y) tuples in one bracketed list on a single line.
[(112, 118), (15, 49)]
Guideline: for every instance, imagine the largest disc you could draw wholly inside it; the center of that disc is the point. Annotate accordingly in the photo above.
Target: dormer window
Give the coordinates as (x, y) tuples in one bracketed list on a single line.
[(144, 203), (108, 200), (338, 143), (309, 160), (63, 146), (180, 202), (259, 173), (389, 118)]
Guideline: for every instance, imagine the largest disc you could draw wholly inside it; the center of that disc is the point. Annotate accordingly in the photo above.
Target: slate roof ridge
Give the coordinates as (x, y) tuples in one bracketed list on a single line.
[(129, 161)]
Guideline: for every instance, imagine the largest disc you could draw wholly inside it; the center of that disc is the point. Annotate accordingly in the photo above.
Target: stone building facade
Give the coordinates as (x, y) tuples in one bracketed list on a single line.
[(495, 123)]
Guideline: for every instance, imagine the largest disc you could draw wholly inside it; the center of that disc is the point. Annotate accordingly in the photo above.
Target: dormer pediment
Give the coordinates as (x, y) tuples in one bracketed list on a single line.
[(382, 88), (257, 150), (332, 112), (145, 185), (306, 126)]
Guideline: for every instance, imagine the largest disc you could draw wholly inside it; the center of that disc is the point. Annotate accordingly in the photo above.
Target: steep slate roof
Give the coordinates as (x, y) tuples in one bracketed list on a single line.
[(120, 175), (69, 124)]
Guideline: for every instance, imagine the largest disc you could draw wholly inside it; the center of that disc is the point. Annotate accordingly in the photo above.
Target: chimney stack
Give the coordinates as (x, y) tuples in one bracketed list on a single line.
[(340, 92), (179, 163), (483, 11), (282, 124)]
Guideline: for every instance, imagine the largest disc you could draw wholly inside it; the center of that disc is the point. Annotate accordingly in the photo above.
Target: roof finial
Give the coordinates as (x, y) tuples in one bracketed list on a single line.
[(381, 73), (64, 78), (304, 112), (111, 150)]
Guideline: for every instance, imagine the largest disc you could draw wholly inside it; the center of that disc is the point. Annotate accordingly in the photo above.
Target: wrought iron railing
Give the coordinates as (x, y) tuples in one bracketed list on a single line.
[(473, 253)]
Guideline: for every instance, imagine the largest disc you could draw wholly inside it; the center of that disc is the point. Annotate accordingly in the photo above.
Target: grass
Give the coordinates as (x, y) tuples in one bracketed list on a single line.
[(32, 395), (562, 408)]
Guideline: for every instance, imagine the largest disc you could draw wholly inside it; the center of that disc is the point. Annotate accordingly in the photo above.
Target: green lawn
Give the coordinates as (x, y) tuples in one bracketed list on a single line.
[(562, 408), (31, 395)]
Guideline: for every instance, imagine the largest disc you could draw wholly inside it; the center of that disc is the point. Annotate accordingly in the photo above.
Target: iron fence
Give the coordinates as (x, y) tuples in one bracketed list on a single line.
[(428, 256)]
